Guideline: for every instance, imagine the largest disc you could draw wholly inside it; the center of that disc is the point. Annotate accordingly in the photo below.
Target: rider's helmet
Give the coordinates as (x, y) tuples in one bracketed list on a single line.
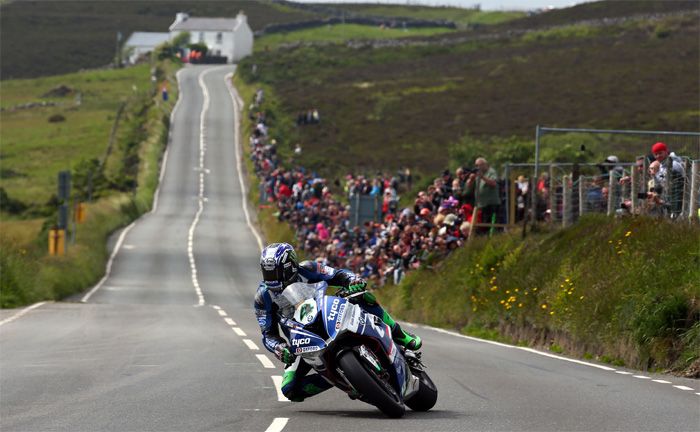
[(279, 266)]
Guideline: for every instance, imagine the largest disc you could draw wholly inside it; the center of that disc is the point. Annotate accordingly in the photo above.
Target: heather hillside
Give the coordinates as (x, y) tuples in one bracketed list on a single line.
[(389, 104)]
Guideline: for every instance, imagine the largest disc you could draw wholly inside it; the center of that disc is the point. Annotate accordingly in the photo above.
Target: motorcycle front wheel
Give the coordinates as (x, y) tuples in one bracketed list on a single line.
[(371, 386)]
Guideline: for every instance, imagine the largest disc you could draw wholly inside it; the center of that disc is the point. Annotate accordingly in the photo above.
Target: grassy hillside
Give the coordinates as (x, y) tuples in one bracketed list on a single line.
[(460, 16), (34, 149), (46, 37), (409, 104), (341, 33), (120, 195), (625, 291)]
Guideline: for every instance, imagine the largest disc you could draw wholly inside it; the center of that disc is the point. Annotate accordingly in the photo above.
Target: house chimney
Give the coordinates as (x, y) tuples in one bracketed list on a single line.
[(181, 17)]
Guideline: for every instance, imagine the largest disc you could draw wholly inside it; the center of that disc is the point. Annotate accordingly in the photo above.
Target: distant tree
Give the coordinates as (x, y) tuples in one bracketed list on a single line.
[(181, 40)]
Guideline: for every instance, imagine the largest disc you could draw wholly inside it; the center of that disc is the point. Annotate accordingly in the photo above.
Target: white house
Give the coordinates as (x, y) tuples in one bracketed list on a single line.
[(140, 43), (228, 37)]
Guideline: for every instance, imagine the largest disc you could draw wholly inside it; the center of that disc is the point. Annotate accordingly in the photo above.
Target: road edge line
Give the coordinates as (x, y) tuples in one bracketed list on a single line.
[(239, 160), (22, 312)]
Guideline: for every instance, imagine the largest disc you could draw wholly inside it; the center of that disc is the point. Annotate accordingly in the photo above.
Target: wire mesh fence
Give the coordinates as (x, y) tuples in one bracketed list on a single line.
[(629, 180)]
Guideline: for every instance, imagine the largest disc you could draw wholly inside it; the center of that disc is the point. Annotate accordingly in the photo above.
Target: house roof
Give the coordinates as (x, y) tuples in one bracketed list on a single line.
[(203, 24), (151, 39)]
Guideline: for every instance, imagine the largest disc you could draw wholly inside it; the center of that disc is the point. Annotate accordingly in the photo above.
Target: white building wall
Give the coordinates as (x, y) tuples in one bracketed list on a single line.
[(243, 43)]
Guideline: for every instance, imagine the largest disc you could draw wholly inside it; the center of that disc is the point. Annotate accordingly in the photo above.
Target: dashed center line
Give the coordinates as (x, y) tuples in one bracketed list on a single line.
[(641, 377), (238, 331), (230, 322), (662, 381), (277, 424), (623, 373), (265, 362), (250, 344), (277, 380), (222, 312), (684, 388)]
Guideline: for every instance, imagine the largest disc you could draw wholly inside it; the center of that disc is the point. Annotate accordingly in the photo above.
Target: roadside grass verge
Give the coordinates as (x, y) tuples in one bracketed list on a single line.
[(625, 291), (342, 33), (29, 274)]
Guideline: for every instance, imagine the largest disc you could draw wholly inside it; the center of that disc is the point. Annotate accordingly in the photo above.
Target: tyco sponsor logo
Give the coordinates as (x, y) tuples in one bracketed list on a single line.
[(334, 310), (301, 341)]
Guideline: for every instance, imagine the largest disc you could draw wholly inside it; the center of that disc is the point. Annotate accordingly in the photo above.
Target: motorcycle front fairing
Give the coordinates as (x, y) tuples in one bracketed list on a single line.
[(358, 321)]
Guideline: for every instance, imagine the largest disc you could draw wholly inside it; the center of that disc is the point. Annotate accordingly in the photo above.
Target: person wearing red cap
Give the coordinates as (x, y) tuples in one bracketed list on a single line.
[(671, 176)]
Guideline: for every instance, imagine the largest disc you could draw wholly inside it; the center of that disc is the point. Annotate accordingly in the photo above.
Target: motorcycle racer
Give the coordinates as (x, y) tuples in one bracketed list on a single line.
[(280, 268)]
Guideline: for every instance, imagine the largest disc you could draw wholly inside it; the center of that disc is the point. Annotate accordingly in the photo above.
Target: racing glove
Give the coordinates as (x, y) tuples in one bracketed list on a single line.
[(284, 354), (356, 285)]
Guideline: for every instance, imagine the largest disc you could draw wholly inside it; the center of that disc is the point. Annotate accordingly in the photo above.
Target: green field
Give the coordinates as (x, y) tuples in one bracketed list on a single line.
[(460, 16), (34, 150), (340, 33)]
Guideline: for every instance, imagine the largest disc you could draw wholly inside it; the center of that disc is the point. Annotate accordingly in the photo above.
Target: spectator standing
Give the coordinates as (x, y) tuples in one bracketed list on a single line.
[(671, 175), (484, 182), (522, 188)]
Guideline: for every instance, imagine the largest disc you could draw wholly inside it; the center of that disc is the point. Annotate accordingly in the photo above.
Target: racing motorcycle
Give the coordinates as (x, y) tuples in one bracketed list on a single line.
[(353, 350)]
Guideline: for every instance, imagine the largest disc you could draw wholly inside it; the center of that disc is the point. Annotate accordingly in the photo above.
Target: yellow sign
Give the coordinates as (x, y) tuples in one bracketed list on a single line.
[(57, 242)]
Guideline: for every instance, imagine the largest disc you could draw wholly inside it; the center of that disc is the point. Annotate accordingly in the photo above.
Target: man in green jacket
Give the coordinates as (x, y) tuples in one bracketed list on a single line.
[(487, 194)]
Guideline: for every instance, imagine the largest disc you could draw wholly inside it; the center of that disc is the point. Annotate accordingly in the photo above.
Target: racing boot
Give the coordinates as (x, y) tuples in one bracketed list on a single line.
[(400, 336)]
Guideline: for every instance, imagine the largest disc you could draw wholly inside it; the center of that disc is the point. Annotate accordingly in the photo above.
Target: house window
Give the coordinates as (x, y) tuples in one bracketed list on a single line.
[(201, 36), (219, 37)]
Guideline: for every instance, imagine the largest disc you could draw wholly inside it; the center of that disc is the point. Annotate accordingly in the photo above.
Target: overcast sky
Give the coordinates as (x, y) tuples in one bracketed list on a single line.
[(485, 4)]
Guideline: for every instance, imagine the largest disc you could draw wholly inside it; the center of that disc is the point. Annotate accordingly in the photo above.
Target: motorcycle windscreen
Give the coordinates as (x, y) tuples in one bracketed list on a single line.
[(305, 342)]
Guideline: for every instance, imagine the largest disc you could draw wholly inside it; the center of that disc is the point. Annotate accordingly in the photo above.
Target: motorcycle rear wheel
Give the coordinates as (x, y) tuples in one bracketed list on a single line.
[(366, 382)]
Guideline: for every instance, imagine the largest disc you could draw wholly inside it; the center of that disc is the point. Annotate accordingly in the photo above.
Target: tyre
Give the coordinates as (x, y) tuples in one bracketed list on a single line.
[(426, 396), (369, 385)]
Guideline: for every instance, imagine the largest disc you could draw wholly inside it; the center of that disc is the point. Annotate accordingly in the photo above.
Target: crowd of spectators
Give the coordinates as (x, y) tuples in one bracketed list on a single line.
[(439, 221), (455, 206)]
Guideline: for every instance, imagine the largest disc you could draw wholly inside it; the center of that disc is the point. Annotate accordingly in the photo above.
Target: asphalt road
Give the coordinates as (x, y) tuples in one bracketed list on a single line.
[(168, 340)]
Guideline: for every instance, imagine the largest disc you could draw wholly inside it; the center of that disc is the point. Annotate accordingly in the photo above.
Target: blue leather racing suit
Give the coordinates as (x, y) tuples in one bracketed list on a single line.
[(296, 386)]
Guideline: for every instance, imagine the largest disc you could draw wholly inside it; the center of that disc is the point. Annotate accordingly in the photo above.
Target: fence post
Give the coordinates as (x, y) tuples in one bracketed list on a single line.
[(535, 178), (566, 202), (581, 202), (695, 174), (634, 187), (552, 195), (611, 192), (510, 197)]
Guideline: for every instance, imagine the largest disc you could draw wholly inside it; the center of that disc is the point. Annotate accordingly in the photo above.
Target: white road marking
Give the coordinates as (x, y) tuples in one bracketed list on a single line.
[(239, 158), (129, 246), (534, 351), (662, 381), (265, 361), (229, 321), (251, 344), (277, 424), (216, 307), (277, 380), (222, 312), (623, 373), (641, 377), (684, 388), (200, 210), (108, 270), (22, 312), (238, 331)]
